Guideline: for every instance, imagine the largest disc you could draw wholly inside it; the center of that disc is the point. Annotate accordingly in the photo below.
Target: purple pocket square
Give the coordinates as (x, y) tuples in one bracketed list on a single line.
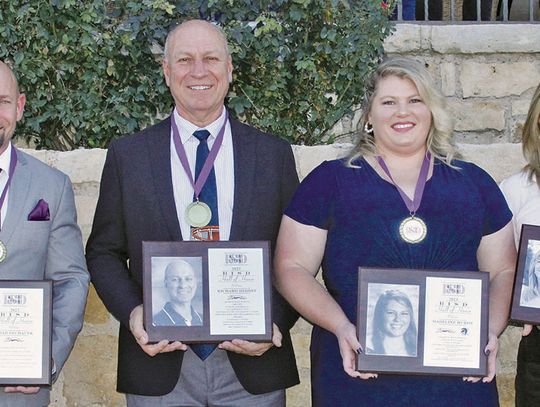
[(40, 212)]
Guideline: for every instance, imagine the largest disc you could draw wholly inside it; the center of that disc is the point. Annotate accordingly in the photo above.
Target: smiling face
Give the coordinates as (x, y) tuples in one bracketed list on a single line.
[(401, 120), (397, 319), (11, 105), (198, 69), (180, 282)]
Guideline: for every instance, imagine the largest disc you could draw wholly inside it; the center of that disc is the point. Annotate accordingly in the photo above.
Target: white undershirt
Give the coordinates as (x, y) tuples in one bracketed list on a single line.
[(223, 168), (5, 160)]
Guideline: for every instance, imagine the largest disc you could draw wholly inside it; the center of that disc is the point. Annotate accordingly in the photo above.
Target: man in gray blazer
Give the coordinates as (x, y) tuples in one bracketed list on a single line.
[(39, 238), (144, 195)]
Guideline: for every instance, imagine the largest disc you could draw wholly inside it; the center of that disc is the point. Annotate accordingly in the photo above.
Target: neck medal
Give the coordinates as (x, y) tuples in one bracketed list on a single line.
[(412, 229), (198, 214), (12, 165)]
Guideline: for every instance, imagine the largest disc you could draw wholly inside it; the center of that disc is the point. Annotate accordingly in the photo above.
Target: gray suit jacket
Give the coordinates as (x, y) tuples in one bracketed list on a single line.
[(52, 250)]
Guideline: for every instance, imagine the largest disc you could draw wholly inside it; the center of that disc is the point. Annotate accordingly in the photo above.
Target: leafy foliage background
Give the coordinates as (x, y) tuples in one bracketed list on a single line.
[(91, 68)]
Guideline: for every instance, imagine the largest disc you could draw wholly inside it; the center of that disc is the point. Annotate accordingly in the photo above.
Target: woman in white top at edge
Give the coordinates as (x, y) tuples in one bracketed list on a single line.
[(522, 192)]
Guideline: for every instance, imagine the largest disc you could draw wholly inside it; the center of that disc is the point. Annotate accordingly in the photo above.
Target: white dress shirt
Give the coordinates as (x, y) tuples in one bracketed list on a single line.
[(5, 160), (223, 168)]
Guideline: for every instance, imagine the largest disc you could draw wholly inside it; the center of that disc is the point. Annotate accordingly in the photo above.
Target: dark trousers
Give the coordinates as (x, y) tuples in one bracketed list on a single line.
[(528, 371)]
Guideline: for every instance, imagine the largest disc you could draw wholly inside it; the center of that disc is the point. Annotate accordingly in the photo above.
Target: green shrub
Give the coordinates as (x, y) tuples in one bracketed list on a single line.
[(91, 69)]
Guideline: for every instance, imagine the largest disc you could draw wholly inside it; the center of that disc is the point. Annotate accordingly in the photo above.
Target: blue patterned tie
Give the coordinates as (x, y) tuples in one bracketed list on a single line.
[(208, 195)]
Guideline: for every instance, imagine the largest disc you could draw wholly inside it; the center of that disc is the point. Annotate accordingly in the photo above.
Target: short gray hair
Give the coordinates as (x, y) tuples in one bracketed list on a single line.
[(180, 264), (171, 34)]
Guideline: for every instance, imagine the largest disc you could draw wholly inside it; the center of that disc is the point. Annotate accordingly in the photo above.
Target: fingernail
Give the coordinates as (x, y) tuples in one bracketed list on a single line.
[(487, 352)]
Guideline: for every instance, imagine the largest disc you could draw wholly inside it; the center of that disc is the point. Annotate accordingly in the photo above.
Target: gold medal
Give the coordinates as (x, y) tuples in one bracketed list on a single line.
[(412, 229), (198, 214), (3, 251)]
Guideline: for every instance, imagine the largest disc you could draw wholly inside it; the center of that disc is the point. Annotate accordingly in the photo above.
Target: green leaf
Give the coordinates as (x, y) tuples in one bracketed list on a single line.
[(89, 74)]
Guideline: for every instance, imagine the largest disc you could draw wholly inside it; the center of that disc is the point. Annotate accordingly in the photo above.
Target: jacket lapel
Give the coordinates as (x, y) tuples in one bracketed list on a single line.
[(18, 194), (245, 160), (158, 145)]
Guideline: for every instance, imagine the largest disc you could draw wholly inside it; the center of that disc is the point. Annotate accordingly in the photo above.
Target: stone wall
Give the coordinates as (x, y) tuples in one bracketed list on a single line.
[(488, 73)]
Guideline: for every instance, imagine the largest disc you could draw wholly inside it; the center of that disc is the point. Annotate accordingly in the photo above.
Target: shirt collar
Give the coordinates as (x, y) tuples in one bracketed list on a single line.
[(186, 128), (5, 159)]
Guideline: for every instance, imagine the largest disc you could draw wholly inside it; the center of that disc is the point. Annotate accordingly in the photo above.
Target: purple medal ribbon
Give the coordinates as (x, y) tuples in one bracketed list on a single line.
[(414, 204), (209, 163), (12, 166)]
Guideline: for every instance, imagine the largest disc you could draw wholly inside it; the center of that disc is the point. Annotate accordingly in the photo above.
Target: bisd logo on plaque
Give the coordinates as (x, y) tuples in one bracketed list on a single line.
[(454, 289), (236, 258), (14, 299)]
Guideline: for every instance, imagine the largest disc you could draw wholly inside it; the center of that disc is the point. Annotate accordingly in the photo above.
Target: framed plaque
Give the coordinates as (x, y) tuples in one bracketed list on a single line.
[(25, 333), (526, 293), (423, 322), (207, 291)]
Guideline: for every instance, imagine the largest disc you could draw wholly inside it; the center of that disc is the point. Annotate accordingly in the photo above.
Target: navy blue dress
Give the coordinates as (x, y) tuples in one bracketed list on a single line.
[(362, 212)]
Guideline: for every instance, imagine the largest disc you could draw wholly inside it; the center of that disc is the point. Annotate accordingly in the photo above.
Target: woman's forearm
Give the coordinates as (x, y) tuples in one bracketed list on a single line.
[(309, 297)]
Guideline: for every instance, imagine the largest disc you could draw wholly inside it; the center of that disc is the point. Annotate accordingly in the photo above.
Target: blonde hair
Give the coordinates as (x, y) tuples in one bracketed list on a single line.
[(531, 138), (439, 140)]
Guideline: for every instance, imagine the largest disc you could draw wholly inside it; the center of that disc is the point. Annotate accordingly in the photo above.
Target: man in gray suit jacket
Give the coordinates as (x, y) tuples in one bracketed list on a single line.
[(144, 195), (39, 238)]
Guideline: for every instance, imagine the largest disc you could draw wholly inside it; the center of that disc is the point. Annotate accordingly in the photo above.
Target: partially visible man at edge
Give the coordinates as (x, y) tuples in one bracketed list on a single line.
[(144, 193), (39, 238)]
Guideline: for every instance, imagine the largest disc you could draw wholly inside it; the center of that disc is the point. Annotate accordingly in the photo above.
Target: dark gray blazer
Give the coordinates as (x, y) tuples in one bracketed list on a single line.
[(136, 203)]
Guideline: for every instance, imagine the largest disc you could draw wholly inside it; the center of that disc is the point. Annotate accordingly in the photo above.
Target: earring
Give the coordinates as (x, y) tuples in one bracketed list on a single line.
[(368, 128)]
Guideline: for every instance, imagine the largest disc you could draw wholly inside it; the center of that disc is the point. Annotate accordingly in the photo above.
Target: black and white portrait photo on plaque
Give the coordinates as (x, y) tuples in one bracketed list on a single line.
[(177, 291), (392, 319), (530, 289), (189, 295)]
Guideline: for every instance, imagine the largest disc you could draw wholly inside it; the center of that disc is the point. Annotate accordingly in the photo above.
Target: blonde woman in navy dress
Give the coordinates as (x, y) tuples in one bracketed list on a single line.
[(347, 213), (522, 191)]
